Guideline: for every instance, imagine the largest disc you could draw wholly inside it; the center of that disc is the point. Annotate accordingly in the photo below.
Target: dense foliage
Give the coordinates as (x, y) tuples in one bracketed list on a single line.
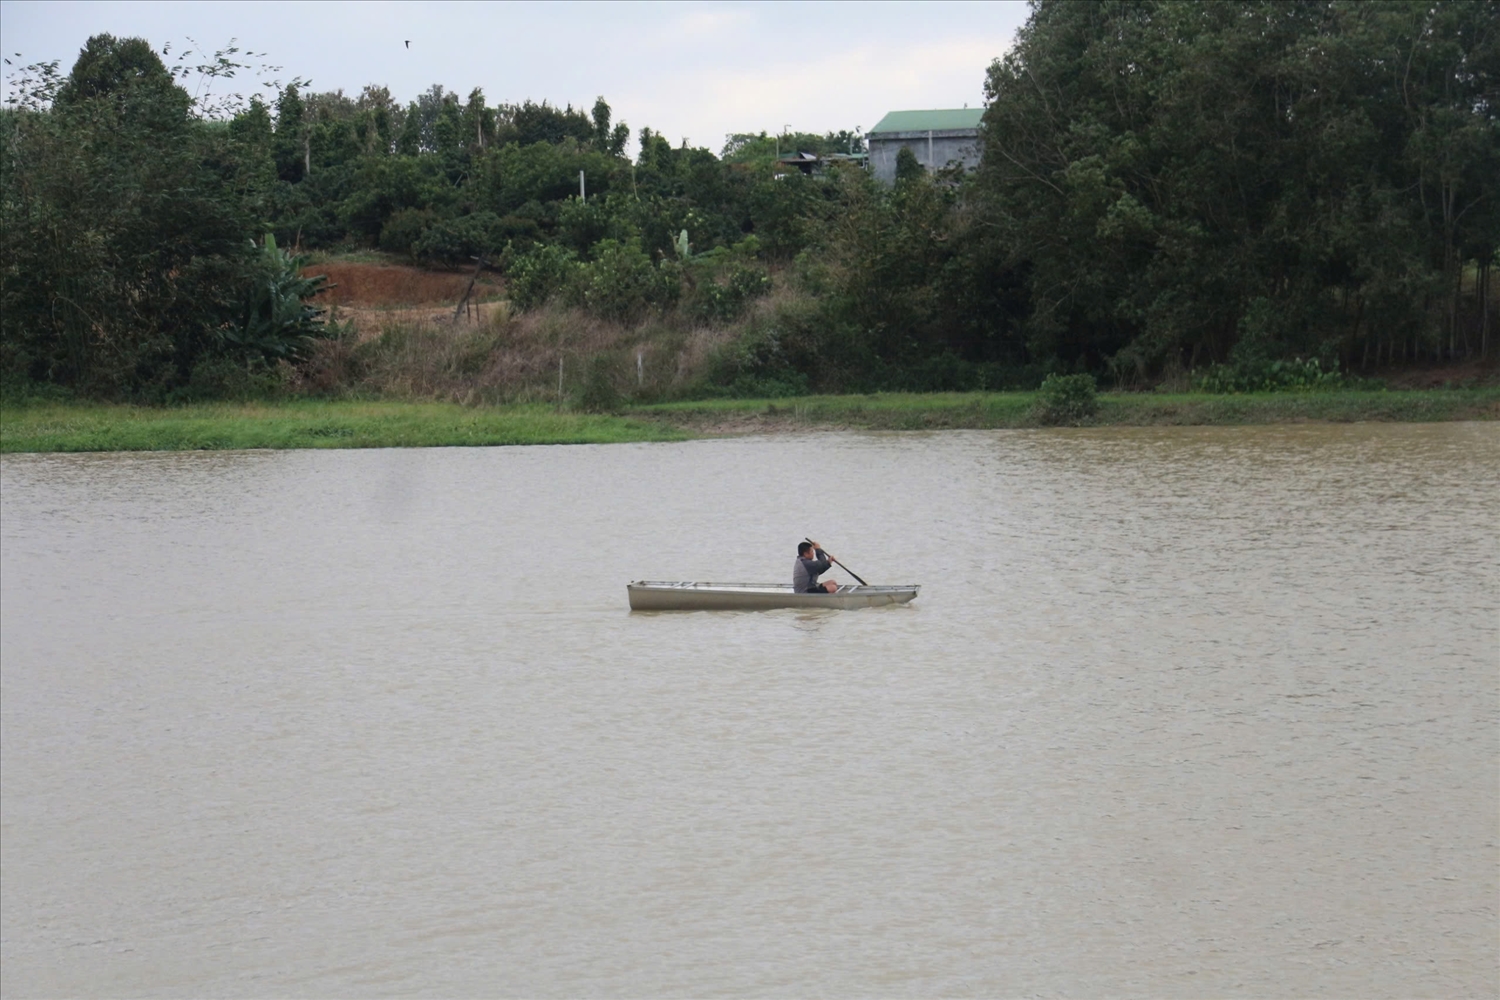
[(1267, 192), (1066, 399), (122, 238), (1253, 180)]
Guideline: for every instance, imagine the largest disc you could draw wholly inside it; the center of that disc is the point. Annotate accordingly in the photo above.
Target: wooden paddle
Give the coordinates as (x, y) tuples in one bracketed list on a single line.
[(846, 569)]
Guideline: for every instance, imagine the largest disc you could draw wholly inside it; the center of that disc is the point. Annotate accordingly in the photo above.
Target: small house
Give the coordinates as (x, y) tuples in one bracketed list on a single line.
[(811, 163)]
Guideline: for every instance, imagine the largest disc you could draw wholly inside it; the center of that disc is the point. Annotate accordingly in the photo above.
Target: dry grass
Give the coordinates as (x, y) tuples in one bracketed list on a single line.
[(403, 342), (494, 356), (368, 321)]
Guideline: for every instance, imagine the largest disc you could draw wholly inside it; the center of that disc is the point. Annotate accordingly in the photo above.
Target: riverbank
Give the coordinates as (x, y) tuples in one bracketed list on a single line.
[(948, 411), (308, 424), (42, 427)]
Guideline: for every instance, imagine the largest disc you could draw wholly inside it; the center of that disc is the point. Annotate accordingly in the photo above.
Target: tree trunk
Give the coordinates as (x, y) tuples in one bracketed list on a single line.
[(1453, 310), (1354, 338), (1484, 311)]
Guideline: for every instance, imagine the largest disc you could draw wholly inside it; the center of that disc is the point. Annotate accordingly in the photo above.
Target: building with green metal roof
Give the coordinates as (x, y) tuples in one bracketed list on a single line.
[(937, 138), (922, 121)]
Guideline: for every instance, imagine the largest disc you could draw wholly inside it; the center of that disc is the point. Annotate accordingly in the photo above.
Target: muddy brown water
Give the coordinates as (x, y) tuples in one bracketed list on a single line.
[(1179, 712)]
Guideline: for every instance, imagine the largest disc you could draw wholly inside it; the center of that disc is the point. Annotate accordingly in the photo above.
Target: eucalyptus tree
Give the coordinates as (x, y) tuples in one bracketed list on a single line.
[(608, 140)]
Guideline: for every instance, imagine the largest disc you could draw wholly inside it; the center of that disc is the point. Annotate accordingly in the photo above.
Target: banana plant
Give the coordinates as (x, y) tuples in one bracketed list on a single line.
[(276, 321)]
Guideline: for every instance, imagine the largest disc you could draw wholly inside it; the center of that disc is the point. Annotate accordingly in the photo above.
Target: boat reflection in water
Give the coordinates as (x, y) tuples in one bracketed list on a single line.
[(659, 595)]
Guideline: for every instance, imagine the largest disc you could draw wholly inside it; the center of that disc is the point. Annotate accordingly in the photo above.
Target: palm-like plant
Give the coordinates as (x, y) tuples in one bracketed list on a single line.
[(276, 321)]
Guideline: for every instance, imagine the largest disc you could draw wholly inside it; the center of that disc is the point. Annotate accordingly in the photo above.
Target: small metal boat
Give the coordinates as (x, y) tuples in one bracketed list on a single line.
[(660, 595)]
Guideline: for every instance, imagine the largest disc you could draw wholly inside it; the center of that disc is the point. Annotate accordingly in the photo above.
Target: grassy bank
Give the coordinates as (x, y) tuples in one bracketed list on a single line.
[(307, 424), (933, 411), (394, 424)]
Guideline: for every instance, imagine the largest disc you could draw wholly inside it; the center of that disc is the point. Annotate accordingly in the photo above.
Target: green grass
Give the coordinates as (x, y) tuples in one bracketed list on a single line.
[(306, 424), (42, 425), (930, 411)]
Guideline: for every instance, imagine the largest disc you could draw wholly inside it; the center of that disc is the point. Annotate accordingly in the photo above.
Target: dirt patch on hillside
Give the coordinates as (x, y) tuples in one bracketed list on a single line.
[(371, 297), (361, 285)]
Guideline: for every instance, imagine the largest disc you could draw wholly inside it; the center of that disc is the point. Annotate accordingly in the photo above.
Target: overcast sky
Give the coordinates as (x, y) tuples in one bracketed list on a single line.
[(689, 70)]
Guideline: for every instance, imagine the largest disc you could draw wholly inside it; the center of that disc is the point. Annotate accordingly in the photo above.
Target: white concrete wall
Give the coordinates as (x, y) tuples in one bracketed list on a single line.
[(953, 145)]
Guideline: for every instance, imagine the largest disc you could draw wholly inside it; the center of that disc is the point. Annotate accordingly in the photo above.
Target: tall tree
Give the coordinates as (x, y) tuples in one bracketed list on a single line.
[(1183, 182), (292, 152), (120, 230)]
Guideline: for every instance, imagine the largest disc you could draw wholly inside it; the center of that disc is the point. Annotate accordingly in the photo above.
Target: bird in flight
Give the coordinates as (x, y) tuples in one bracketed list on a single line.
[(408, 43)]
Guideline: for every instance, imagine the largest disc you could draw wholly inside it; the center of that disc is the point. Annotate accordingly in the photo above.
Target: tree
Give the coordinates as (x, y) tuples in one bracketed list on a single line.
[(1184, 183), (291, 145), (908, 169), (655, 154), (610, 141), (378, 119), (601, 124), (409, 140), (529, 123), (122, 236), (129, 74), (251, 157), (448, 133), (478, 120)]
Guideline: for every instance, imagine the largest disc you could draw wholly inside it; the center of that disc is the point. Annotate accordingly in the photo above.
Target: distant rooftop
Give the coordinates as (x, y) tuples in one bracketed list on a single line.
[(930, 121)]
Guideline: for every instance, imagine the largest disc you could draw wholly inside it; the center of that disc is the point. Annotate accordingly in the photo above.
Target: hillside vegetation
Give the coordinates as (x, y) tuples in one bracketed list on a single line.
[(1231, 196)]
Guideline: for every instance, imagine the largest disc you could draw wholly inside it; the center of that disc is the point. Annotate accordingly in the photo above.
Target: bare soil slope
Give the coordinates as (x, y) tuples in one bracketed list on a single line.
[(371, 295)]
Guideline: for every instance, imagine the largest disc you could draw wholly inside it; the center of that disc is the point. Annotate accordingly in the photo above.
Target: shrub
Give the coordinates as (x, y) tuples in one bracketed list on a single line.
[(220, 377), (750, 387), (537, 276), (771, 358), (620, 282), (1066, 399), (1262, 375), (518, 231), (404, 228), (945, 372), (600, 393), (457, 241), (723, 298)]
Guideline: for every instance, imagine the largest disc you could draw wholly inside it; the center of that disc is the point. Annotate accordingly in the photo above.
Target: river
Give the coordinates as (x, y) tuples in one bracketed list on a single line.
[(1179, 712)]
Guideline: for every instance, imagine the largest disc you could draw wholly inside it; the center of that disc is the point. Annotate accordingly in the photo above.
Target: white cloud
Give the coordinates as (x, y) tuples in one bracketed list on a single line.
[(699, 70), (698, 25), (851, 88)]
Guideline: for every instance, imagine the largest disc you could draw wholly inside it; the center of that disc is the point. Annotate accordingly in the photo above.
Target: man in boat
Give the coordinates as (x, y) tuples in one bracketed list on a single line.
[(811, 562)]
